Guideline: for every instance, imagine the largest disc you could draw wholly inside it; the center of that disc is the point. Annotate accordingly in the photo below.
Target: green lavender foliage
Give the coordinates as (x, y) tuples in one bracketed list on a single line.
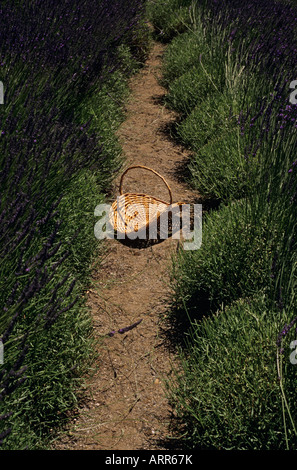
[(227, 392), (59, 153), (234, 298)]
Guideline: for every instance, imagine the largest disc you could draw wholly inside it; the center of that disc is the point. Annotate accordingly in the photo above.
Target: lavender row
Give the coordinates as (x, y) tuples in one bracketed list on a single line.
[(263, 39), (53, 55)]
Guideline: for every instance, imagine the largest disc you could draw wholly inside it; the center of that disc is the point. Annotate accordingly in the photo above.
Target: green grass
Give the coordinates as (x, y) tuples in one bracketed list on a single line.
[(206, 121), (227, 392), (219, 169), (230, 263), (181, 54), (209, 91), (169, 17), (189, 90), (60, 354)]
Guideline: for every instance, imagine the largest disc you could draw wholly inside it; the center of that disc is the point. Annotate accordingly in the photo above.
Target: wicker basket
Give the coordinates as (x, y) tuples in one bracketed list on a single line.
[(132, 213)]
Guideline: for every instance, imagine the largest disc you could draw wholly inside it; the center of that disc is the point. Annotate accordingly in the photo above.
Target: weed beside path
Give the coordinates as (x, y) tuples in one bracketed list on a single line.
[(126, 406)]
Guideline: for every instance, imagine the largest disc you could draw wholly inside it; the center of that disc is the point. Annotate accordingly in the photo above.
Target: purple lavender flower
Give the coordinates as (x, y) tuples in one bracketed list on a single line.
[(125, 329), (41, 149), (128, 328)]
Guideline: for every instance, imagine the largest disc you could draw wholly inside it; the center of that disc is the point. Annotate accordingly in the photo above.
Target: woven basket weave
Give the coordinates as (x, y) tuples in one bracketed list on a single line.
[(134, 212)]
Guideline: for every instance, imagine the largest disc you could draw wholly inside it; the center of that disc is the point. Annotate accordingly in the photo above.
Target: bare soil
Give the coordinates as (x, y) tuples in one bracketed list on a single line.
[(126, 407)]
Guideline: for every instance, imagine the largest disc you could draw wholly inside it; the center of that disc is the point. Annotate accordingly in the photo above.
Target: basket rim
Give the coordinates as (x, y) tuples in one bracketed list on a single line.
[(144, 196), (149, 169)]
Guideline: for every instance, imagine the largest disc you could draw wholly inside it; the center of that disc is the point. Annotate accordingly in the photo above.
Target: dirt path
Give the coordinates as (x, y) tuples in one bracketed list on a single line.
[(128, 409)]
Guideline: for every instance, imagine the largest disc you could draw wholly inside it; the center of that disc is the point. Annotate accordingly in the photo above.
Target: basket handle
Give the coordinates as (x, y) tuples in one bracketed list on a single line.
[(145, 168)]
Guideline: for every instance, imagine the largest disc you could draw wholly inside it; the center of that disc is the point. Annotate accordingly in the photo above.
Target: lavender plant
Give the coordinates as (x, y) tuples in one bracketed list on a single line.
[(55, 56), (261, 37)]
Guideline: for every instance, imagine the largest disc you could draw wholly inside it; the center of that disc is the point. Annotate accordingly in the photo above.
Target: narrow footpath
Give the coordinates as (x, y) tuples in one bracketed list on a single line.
[(127, 408)]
